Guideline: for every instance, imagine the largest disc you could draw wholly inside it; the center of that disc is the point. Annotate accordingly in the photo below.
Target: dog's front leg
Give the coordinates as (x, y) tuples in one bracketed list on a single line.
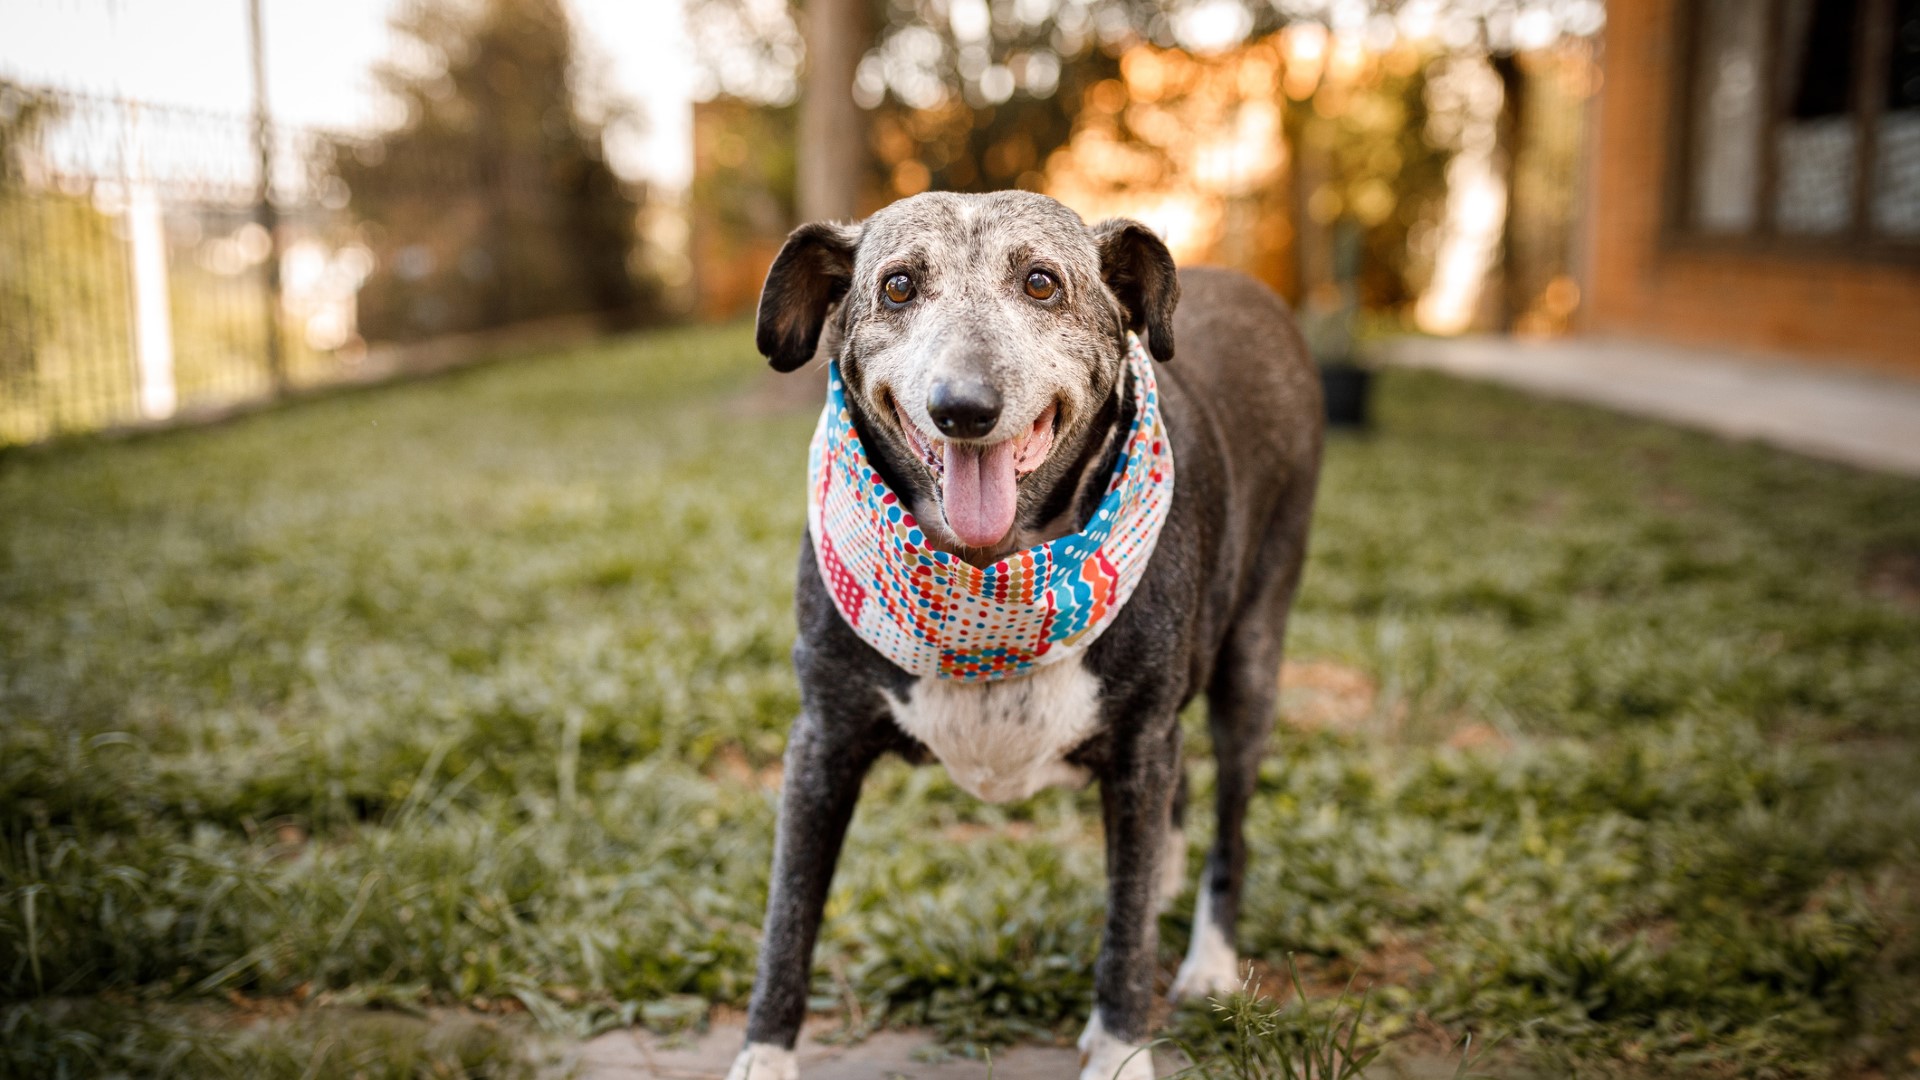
[(1136, 798), (825, 764)]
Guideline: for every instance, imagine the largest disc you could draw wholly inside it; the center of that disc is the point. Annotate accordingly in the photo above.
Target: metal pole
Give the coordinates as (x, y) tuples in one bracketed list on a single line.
[(264, 211)]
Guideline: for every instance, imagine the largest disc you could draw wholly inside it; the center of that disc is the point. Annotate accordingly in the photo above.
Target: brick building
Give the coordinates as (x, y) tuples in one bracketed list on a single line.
[(1756, 178)]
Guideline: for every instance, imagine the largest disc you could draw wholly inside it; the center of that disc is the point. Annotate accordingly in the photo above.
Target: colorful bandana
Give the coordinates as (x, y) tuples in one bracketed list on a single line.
[(934, 613)]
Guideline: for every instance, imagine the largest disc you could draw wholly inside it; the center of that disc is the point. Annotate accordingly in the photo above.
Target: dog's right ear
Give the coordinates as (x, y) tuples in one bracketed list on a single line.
[(810, 275), (1140, 271)]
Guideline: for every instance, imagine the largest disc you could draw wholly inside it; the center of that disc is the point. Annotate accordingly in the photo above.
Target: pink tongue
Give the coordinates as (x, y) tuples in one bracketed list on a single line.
[(979, 494)]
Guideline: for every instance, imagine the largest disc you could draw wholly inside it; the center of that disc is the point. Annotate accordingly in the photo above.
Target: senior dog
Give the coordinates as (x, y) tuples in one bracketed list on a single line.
[(1029, 546)]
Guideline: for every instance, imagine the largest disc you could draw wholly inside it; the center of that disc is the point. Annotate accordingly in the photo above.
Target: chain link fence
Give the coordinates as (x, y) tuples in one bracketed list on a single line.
[(136, 261), (147, 274)]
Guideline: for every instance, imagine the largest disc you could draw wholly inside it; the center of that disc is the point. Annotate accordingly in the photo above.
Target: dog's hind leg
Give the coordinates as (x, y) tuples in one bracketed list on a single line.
[(1241, 699), (1173, 858), (1136, 800)]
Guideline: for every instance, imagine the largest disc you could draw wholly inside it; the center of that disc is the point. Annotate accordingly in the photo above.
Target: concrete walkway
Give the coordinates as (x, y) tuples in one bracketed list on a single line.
[(1871, 421), (636, 1054)]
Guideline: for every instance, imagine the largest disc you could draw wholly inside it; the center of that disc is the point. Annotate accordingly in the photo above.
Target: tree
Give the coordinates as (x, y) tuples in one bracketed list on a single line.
[(977, 94), (897, 97), (833, 158), (492, 202), (1498, 31), (980, 85)]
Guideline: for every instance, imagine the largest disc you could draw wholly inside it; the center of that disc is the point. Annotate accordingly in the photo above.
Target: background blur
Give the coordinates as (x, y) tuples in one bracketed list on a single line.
[(436, 730), (212, 202)]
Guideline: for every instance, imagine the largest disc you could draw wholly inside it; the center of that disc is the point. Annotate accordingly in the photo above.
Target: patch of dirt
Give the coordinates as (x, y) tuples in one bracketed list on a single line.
[(507, 1006), (253, 1008), (967, 831), (1894, 576), (1549, 509), (1673, 499), (1399, 961), (730, 763), (1478, 735), (1321, 695)]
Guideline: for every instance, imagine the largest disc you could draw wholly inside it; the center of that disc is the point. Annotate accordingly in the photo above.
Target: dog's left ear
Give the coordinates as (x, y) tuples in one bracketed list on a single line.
[(1139, 270), (810, 275)]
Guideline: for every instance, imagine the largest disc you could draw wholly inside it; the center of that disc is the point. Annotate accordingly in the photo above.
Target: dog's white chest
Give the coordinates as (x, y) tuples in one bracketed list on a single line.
[(1004, 740)]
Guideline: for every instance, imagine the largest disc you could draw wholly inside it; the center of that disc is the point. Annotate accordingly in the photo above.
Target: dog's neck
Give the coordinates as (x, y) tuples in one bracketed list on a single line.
[(1060, 504)]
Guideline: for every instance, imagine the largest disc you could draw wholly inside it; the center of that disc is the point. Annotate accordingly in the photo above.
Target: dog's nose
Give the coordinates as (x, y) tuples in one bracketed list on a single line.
[(963, 409)]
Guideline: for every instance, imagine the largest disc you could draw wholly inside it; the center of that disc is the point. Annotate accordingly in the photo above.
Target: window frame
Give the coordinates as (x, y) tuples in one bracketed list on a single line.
[(1872, 45)]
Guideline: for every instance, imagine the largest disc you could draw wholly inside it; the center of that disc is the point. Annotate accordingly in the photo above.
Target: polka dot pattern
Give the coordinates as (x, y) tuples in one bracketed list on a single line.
[(935, 614)]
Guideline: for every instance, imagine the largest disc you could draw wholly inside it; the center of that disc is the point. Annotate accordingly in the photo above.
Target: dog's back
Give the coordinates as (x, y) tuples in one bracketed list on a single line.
[(1244, 405), (1241, 354)]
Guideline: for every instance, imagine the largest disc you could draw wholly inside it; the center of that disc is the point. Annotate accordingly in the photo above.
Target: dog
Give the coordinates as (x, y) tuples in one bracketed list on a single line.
[(982, 346)]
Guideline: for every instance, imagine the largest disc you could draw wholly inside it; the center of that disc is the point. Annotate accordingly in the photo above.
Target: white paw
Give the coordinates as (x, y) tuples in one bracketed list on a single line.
[(1173, 868), (1210, 970), (764, 1061), (1105, 1057)]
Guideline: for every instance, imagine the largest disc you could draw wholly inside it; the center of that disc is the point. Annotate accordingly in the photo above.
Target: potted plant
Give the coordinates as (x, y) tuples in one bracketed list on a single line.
[(1328, 319)]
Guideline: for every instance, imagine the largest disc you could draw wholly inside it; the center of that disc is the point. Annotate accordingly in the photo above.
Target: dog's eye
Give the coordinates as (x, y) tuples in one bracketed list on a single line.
[(1040, 285), (899, 288)]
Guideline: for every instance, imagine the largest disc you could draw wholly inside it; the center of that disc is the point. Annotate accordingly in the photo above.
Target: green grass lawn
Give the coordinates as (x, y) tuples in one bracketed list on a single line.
[(466, 695)]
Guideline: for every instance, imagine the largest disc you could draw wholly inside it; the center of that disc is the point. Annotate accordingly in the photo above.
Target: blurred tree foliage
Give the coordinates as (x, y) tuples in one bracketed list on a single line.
[(979, 95), (1544, 173), (972, 97), (742, 199), (956, 146), (24, 113), (743, 162), (492, 202), (1366, 153), (935, 125)]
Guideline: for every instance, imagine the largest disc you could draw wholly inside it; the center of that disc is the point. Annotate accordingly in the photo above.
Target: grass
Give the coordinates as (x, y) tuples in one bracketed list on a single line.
[(1247, 1036), (84, 1039), (470, 694)]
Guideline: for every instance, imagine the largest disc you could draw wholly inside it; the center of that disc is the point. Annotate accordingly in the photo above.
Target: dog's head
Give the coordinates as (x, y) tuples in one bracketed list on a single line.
[(978, 336)]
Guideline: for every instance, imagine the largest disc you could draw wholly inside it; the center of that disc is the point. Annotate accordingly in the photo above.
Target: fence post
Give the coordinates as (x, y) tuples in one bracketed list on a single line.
[(152, 299), (264, 212), (149, 288)]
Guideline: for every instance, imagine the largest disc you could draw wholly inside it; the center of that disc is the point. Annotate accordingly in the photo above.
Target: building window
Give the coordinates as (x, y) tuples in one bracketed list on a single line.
[(1801, 123)]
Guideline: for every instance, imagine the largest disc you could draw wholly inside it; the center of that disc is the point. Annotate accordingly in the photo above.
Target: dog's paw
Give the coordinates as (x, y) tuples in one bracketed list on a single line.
[(1211, 970), (764, 1061), (1104, 1056)]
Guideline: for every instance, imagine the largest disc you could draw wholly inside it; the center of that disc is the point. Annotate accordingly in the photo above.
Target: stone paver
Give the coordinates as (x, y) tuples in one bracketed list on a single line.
[(888, 1055), (636, 1054), (1872, 421)]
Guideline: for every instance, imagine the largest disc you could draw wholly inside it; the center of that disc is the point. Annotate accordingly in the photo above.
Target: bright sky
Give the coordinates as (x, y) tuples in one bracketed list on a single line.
[(194, 53)]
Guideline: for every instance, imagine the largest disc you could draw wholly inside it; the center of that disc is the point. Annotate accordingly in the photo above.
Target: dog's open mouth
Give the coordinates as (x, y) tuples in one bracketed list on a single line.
[(979, 484)]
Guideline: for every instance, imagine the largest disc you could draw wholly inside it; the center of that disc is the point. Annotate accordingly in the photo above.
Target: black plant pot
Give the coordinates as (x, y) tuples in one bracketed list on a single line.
[(1346, 387)]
